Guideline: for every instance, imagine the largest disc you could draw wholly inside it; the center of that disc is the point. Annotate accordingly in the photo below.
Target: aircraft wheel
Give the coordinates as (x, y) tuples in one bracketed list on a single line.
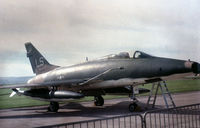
[(132, 107), (98, 101), (53, 107)]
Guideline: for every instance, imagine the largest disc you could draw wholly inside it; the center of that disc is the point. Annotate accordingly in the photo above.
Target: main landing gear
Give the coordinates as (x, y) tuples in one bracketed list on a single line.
[(53, 107), (98, 101), (133, 106)]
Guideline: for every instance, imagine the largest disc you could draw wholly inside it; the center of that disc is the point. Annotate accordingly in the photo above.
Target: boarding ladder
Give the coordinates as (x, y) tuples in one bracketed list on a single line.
[(165, 93)]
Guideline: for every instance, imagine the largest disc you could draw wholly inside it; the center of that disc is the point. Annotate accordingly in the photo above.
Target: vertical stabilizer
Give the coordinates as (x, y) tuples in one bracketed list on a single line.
[(38, 62)]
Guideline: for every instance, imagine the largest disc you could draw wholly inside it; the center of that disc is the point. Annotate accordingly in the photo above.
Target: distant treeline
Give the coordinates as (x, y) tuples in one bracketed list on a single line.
[(14, 80)]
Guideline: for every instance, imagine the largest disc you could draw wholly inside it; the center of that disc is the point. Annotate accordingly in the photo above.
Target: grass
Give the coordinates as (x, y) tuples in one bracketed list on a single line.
[(17, 101), (176, 86), (24, 101)]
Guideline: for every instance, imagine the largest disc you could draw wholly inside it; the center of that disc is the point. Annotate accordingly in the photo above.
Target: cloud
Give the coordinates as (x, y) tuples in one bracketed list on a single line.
[(68, 31)]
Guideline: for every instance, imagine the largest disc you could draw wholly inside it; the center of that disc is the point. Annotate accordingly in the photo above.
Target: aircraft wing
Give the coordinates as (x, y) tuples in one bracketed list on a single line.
[(60, 82), (45, 84)]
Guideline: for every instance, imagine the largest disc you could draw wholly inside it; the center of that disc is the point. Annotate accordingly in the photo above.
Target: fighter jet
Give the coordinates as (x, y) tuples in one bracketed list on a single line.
[(115, 73)]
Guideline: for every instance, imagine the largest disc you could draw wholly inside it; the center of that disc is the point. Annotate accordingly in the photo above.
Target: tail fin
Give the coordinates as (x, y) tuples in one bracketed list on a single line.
[(38, 62)]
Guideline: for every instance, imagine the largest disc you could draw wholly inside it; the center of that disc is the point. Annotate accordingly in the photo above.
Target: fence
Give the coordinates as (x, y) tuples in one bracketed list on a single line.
[(179, 117), (127, 121)]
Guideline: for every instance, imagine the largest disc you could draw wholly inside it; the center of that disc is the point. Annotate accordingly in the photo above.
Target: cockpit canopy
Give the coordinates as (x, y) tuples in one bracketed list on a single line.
[(121, 55), (125, 55)]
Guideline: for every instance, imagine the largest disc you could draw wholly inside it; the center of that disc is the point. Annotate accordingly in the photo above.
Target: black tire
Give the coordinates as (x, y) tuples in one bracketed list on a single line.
[(53, 107), (98, 101), (132, 107)]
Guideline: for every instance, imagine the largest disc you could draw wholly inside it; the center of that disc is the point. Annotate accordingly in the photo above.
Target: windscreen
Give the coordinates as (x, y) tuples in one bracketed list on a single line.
[(139, 54)]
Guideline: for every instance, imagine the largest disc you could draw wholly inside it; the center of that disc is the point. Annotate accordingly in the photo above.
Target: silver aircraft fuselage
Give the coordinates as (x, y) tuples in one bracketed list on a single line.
[(134, 72)]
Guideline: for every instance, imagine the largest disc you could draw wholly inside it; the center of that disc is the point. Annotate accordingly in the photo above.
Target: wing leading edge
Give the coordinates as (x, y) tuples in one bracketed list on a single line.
[(63, 82), (45, 84)]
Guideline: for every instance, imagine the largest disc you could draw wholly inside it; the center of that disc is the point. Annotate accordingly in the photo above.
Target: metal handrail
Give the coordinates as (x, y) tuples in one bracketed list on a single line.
[(142, 117)]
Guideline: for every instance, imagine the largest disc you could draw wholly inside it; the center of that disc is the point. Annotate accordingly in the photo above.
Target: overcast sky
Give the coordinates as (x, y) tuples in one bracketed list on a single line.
[(67, 31)]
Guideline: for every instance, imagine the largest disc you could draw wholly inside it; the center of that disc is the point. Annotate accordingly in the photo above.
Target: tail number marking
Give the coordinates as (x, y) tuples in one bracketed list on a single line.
[(40, 62)]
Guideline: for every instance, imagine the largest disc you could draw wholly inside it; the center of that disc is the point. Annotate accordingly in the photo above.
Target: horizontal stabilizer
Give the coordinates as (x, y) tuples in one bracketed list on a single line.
[(12, 94), (16, 91)]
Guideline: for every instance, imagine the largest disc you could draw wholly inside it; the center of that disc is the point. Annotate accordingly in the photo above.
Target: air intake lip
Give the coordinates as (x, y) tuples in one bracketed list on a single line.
[(196, 68)]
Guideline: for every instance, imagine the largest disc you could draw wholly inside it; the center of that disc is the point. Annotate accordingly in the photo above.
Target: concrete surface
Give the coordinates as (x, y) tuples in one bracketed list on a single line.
[(71, 112)]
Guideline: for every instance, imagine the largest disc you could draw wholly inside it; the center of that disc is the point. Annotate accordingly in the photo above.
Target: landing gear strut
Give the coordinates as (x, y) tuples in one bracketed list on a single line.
[(132, 107), (53, 107), (98, 101)]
